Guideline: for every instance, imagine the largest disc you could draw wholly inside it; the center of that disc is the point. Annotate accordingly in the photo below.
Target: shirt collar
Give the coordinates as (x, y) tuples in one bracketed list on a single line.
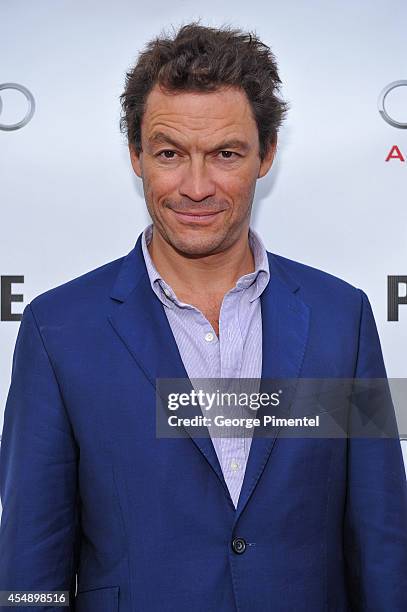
[(162, 290), (258, 278), (261, 274)]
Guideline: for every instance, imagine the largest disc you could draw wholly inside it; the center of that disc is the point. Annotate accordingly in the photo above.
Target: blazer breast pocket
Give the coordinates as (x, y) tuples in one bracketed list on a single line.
[(103, 599)]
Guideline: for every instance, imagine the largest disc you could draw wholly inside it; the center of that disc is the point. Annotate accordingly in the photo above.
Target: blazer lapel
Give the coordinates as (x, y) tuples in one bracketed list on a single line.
[(285, 323), (139, 319)]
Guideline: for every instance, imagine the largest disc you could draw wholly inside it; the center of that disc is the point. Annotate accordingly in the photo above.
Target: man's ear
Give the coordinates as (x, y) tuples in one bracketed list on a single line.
[(268, 159), (135, 161)]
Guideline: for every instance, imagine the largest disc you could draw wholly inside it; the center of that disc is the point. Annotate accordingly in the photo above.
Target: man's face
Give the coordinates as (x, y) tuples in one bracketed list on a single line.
[(199, 165)]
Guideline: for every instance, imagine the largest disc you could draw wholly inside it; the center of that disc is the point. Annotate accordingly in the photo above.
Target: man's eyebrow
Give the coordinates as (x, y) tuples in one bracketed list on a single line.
[(161, 138), (233, 143)]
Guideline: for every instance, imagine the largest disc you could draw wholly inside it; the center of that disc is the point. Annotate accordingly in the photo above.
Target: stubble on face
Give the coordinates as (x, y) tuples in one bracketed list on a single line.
[(196, 242)]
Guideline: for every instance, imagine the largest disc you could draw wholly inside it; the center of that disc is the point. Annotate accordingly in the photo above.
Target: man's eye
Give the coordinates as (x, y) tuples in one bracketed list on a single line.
[(227, 154), (170, 154), (167, 154)]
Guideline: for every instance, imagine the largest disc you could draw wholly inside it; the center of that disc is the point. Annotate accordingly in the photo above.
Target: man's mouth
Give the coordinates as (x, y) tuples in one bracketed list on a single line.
[(197, 217)]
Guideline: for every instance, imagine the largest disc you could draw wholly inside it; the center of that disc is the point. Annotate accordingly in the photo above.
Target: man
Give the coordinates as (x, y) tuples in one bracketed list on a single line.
[(191, 523)]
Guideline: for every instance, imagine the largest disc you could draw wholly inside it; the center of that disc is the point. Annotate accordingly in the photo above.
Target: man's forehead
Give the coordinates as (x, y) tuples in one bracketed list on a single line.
[(223, 109), (218, 103)]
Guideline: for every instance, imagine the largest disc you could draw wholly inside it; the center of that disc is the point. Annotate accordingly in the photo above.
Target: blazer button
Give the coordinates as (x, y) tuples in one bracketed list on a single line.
[(239, 546)]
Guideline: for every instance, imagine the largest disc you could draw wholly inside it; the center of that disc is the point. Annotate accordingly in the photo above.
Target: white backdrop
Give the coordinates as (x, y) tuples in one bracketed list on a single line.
[(70, 201)]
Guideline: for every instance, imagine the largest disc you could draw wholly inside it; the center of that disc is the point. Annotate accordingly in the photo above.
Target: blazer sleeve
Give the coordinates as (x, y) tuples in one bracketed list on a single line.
[(39, 531), (375, 521)]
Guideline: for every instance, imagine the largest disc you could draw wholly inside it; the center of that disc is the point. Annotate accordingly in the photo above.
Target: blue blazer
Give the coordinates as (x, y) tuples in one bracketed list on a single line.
[(147, 523)]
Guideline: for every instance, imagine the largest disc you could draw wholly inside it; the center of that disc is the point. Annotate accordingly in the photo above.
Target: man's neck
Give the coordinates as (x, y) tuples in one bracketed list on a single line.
[(211, 275)]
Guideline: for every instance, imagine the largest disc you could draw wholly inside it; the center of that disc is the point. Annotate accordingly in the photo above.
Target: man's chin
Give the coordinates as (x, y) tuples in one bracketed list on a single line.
[(197, 246)]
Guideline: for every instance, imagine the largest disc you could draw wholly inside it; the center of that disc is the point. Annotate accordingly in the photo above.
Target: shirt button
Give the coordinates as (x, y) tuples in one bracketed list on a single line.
[(234, 465), (209, 337), (167, 292)]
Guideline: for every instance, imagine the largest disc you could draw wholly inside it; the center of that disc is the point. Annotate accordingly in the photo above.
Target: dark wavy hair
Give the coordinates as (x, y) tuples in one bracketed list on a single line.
[(199, 58)]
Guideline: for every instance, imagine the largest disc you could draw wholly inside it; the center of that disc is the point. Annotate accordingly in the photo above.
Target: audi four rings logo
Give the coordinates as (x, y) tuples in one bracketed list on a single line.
[(9, 127), (381, 104)]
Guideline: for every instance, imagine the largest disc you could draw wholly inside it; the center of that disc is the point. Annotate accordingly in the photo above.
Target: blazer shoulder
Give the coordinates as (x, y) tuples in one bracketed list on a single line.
[(82, 293), (314, 283)]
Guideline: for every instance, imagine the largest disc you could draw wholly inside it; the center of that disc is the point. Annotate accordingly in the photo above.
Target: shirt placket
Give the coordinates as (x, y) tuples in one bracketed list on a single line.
[(232, 447)]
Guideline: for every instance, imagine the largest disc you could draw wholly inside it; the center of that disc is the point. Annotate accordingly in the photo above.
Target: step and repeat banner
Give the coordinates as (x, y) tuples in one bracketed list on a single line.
[(334, 199)]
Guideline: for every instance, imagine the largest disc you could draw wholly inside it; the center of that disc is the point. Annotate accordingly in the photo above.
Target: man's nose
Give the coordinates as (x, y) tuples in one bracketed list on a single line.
[(197, 183)]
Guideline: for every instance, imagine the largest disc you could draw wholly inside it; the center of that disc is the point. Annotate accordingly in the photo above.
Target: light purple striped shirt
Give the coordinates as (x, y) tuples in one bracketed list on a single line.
[(237, 353)]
